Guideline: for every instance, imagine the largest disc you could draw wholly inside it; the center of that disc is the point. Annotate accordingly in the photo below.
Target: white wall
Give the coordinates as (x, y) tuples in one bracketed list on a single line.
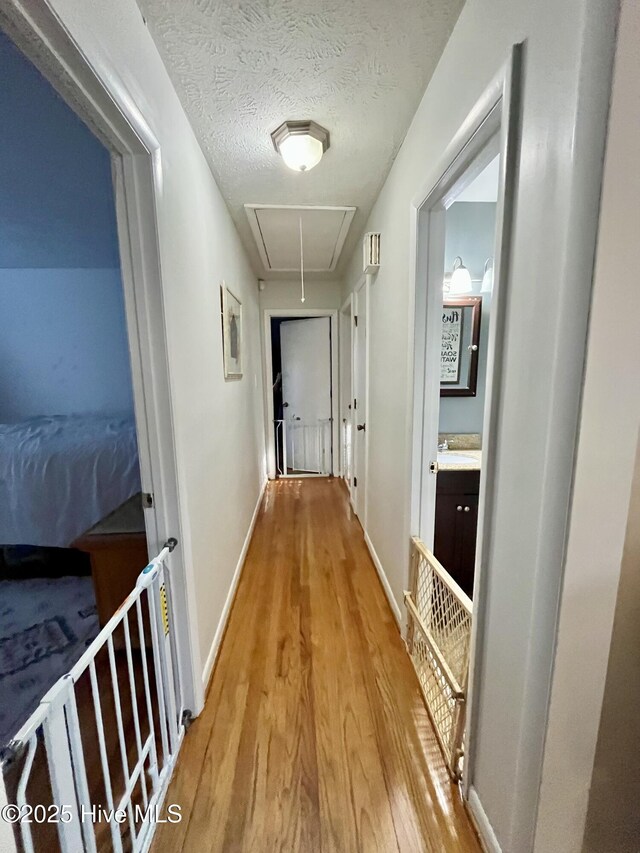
[(597, 571), (567, 60), (286, 294), (470, 230), (218, 424)]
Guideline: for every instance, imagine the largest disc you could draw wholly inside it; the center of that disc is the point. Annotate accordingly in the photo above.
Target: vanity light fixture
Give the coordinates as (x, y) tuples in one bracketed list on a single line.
[(460, 279), (301, 144), (487, 278)]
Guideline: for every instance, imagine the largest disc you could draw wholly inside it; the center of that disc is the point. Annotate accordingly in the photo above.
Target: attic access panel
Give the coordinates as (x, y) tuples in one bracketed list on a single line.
[(276, 229)]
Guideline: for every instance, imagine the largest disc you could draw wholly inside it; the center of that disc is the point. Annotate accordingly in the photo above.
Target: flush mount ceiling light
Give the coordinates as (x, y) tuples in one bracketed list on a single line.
[(301, 144), (460, 278)]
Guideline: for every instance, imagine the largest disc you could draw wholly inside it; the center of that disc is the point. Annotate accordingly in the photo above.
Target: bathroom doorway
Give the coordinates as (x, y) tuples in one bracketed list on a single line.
[(462, 235), (470, 236)]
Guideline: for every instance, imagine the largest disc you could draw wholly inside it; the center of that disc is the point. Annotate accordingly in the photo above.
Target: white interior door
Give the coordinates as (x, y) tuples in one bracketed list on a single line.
[(306, 394), (360, 355)]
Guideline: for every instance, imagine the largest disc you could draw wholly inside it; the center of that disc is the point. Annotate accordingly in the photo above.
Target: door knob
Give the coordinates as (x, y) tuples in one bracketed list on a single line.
[(361, 427), (459, 509), (467, 508)]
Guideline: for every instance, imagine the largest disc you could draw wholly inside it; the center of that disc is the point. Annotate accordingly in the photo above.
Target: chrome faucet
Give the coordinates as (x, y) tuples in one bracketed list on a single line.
[(444, 445)]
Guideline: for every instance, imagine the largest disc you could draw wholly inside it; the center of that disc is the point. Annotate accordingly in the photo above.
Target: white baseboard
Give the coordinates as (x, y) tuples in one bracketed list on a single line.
[(384, 580), (222, 624), (481, 821)]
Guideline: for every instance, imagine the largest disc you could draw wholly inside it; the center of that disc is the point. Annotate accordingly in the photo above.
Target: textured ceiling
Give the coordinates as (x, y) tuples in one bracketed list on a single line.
[(358, 67)]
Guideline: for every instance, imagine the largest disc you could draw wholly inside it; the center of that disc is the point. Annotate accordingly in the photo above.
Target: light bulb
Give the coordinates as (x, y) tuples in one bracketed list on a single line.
[(301, 152), (460, 278), (487, 278)]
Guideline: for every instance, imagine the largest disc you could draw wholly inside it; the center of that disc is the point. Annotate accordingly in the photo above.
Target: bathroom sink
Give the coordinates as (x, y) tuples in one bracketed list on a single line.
[(449, 458)]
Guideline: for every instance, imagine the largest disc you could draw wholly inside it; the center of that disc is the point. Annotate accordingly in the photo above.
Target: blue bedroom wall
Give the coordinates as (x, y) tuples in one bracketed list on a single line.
[(63, 347)]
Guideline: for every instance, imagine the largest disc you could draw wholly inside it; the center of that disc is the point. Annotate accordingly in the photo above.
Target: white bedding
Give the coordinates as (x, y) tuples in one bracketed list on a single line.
[(61, 474)]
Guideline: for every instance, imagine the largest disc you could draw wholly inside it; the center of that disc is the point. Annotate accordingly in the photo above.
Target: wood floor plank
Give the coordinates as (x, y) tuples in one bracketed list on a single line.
[(314, 736)]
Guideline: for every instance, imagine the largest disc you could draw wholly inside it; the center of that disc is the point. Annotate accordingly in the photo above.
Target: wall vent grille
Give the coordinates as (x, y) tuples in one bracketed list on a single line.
[(371, 253)]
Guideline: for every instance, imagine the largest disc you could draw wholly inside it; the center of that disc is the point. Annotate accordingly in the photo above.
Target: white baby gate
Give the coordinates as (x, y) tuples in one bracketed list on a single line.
[(303, 447), (134, 732), (439, 617)]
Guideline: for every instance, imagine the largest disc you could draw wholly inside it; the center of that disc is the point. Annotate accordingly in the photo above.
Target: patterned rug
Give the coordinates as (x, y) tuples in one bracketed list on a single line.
[(45, 625)]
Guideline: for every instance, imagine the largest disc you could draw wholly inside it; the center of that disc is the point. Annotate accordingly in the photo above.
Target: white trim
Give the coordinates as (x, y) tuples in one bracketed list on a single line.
[(360, 492), (494, 113), (226, 610), (346, 305), (268, 313), (393, 604), (509, 153), (102, 99), (481, 822), (346, 314), (252, 215)]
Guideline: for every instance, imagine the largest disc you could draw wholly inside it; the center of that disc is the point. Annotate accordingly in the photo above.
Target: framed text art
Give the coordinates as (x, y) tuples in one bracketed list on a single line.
[(459, 346)]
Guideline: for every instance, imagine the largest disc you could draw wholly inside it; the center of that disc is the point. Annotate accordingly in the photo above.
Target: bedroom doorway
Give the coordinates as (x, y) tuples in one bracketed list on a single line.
[(134, 167), (72, 527), (301, 375)]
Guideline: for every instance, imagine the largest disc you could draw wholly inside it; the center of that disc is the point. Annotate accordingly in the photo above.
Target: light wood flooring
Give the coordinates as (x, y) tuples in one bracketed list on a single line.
[(314, 737)]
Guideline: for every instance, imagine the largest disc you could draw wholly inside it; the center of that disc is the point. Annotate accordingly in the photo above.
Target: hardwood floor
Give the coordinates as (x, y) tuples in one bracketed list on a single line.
[(314, 736)]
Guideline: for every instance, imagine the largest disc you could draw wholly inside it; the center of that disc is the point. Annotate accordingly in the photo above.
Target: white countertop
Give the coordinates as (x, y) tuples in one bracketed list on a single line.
[(459, 460)]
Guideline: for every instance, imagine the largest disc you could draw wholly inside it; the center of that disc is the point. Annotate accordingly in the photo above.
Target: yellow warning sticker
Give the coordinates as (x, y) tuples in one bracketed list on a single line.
[(165, 609)]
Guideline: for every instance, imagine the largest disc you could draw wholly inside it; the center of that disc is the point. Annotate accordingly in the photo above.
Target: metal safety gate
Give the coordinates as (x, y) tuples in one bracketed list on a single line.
[(439, 617), (96, 756)]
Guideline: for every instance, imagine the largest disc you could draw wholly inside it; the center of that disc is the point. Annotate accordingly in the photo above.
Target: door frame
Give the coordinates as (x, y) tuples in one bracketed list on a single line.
[(346, 355), (359, 499), (103, 102), (495, 115), (299, 313)]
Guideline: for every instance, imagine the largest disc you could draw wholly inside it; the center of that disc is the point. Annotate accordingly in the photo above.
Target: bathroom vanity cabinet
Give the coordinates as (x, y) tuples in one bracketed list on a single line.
[(456, 524)]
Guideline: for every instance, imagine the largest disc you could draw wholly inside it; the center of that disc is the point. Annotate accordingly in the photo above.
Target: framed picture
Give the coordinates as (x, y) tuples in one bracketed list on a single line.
[(459, 347), (232, 342)]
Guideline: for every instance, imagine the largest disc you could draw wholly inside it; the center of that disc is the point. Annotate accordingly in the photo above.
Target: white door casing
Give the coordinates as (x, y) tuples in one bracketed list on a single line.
[(346, 393), (359, 405), (267, 366), (490, 128)]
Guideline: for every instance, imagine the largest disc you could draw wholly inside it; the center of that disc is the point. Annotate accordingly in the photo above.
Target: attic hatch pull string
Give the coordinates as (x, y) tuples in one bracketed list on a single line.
[(301, 263)]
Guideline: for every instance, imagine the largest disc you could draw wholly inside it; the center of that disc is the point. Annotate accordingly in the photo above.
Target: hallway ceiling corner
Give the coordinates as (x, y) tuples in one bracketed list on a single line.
[(242, 67)]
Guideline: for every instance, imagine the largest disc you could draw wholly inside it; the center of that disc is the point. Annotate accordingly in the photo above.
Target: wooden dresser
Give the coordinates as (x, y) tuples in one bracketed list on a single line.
[(117, 547)]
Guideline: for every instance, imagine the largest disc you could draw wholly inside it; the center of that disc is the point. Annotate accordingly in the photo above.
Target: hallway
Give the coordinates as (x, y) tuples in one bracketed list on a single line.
[(314, 736)]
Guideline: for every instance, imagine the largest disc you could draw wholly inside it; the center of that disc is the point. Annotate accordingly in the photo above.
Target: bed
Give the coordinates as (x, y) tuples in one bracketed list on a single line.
[(61, 474)]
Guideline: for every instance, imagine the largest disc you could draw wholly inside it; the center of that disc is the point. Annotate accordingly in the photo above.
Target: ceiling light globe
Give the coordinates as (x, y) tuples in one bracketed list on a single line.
[(301, 152)]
